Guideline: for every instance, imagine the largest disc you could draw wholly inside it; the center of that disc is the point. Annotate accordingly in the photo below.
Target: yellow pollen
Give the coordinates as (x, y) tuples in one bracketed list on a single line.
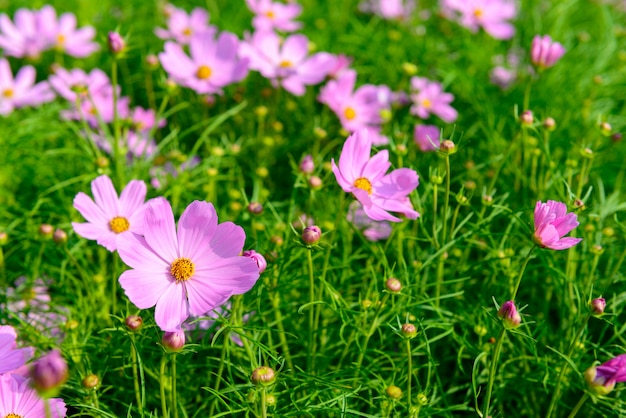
[(427, 103), (182, 269), (286, 64), (349, 113), (203, 72), (61, 39), (187, 32), (119, 224), (478, 12), (363, 184), (270, 14), (12, 415), (8, 93)]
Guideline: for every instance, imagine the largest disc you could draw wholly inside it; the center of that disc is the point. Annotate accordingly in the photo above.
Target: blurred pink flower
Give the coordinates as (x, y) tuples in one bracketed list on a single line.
[(367, 180), (181, 27), (286, 62), (372, 230), (24, 37), (389, 9), (491, 15), (428, 97), (77, 84), (213, 63), (502, 76), (17, 398), (12, 357), (544, 52), (602, 379), (110, 217), (341, 63), (62, 34), (427, 137), (270, 15), (552, 223), (21, 91), (188, 271)]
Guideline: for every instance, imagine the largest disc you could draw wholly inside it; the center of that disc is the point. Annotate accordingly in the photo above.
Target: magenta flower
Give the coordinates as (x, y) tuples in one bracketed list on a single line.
[(427, 137), (428, 97), (110, 217), (23, 38), (271, 15), (552, 223), (286, 62), (18, 399), (181, 27), (367, 180), (491, 15), (62, 34), (21, 91), (189, 271), (213, 63), (602, 379), (544, 52), (11, 357)]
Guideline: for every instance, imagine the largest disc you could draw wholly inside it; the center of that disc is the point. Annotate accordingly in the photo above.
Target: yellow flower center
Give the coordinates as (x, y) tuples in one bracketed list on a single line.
[(478, 12), (203, 72), (349, 113), (119, 224), (270, 14), (187, 32), (286, 64), (363, 184), (12, 415), (182, 269), (427, 103), (8, 93), (60, 39)]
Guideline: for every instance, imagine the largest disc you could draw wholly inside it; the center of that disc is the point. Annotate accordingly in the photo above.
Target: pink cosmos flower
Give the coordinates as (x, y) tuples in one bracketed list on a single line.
[(389, 9), (367, 180), (258, 259), (18, 399), (21, 91), (502, 76), (428, 97), (372, 230), (552, 223), (341, 64), (77, 84), (62, 34), (110, 217), (286, 62), (544, 52), (427, 137), (23, 38), (602, 379), (491, 15), (181, 27), (11, 357), (189, 271), (213, 63), (271, 15)]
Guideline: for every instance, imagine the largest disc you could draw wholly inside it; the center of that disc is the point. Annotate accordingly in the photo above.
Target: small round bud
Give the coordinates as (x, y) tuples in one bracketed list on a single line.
[(134, 322), (366, 303), (527, 118), (470, 185), (116, 43), (394, 392), (262, 172), (401, 149), (261, 111), (49, 373), (91, 381), (616, 137), (320, 133), (579, 204), (409, 68), (608, 232), (487, 200), (605, 128), (597, 249), (71, 324), (174, 341), (510, 317), (277, 240), (263, 375), (447, 147), (258, 259), (409, 330), (311, 234), (307, 166), (393, 285), (597, 306), (315, 183), (270, 400), (46, 230), (59, 236), (152, 61), (422, 399), (480, 330), (436, 179), (549, 124), (586, 153), (255, 208)]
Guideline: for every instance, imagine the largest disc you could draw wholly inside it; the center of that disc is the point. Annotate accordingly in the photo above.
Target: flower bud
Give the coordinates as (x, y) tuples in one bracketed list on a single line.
[(597, 386), (46, 230), (597, 306), (255, 208), (270, 400), (393, 285), (116, 43), (307, 166), (549, 124), (4, 238), (315, 183), (605, 128), (510, 317), (49, 373), (174, 341), (134, 322), (409, 68), (311, 234), (487, 200), (258, 259), (447, 147), (263, 375), (616, 137), (152, 61), (59, 236), (394, 392), (91, 381), (527, 118), (409, 331)]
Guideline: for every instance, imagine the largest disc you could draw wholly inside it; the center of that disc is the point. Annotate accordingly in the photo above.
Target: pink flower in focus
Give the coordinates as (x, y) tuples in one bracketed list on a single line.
[(286, 62), (427, 137), (188, 271), (552, 223), (213, 63), (12, 357), (17, 398), (428, 97), (258, 259), (544, 52), (491, 15), (181, 27), (602, 379), (271, 15), (23, 38), (62, 34), (21, 91), (110, 217), (367, 180)]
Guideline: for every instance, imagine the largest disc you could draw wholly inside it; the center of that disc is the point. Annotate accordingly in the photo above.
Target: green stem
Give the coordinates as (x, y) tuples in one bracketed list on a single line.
[(119, 163), (220, 370), (410, 369), (446, 202), (435, 241), (579, 405), (492, 372), (370, 332), (162, 387), (311, 350), (521, 273), (133, 351), (114, 284), (174, 394), (264, 402)]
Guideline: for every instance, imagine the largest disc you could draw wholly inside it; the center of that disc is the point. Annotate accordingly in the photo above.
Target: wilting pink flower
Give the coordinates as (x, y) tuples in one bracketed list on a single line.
[(491, 15), (602, 379), (23, 38), (110, 217), (552, 223), (21, 91), (12, 357), (188, 271), (389, 9), (544, 52), (509, 314), (367, 180), (428, 97), (63, 35), (372, 230), (17, 398), (427, 137), (258, 259), (181, 27), (270, 15), (213, 63), (286, 62)]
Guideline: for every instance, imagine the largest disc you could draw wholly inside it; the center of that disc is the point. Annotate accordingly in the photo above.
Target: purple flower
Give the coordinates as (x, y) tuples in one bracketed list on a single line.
[(21, 91), (367, 179), (598, 305), (181, 27), (186, 271), (544, 52), (552, 223), (213, 63), (427, 137), (271, 15), (428, 97), (602, 379), (372, 230), (11, 357), (110, 217), (491, 15), (286, 62), (17, 398)]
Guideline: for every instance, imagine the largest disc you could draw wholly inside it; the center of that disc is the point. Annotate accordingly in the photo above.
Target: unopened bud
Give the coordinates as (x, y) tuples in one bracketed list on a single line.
[(447, 147), (263, 375), (597, 306), (49, 373), (510, 317), (549, 124), (394, 392), (255, 208), (116, 43), (4, 238), (59, 236), (258, 258), (616, 137), (174, 341), (46, 230), (307, 166), (152, 61), (527, 118), (315, 183), (134, 322), (605, 128), (409, 330), (91, 381), (311, 234), (393, 285)]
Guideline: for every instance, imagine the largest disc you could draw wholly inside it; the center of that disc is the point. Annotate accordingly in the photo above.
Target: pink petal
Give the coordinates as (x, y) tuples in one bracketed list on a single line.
[(105, 196), (172, 308), (144, 289), (160, 230), (133, 196), (197, 223), (136, 253)]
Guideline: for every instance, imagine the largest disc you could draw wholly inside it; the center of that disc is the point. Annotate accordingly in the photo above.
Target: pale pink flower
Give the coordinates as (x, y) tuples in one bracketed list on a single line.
[(181, 27), (341, 63), (63, 35), (544, 52), (367, 179), (17, 398), (258, 259), (427, 137), (24, 38), (286, 62), (213, 63), (552, 223), (77, 84), (429, 98), (21, 91), (491, 15), (271, 15), (502, 76), (109, 217), (189, 271), (372, 230), (389, 9), (11, 357)]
